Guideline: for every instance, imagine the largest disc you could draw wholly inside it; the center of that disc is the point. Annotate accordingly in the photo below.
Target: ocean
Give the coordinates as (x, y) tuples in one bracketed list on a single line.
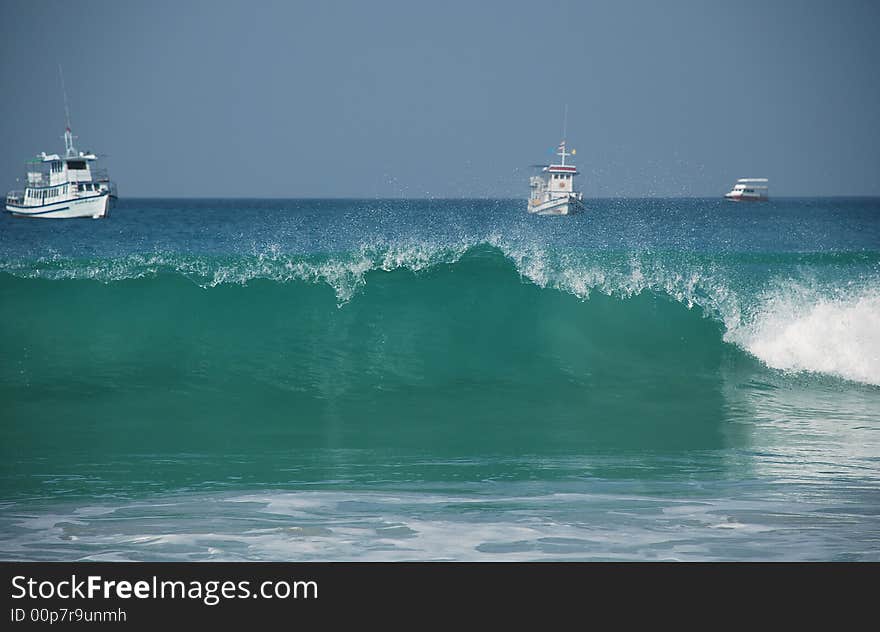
[(652, 379)]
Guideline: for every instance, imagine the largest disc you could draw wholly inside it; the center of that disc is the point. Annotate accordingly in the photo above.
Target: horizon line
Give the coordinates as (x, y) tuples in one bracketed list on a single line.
[(442, 198)]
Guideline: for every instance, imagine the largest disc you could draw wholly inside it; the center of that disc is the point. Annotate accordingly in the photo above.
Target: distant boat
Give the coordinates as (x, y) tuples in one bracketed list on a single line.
[(552, 192), (57, 187), (749, 190)]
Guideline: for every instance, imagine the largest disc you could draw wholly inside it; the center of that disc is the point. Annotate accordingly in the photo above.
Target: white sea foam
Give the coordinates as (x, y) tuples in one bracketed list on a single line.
[(797, 329), (612, 523)]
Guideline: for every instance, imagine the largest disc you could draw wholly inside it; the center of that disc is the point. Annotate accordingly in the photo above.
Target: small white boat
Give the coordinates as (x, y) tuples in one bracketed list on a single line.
[(57, 187), (749, 190), (552, 192)]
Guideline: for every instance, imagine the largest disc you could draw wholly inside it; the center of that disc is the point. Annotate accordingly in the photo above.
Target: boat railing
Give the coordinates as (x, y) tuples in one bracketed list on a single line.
[(15, 197), (100, 175)]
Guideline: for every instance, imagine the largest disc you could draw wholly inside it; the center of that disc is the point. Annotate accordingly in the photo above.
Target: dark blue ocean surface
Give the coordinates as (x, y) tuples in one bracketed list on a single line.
[(442, 379)]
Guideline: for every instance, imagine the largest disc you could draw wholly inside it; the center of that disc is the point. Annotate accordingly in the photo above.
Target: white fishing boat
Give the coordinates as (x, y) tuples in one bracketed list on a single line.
[(749, 190), (63, 187), (553, 192)]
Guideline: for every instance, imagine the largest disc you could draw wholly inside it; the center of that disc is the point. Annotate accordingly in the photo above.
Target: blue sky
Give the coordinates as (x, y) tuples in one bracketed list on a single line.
[(451, 99)]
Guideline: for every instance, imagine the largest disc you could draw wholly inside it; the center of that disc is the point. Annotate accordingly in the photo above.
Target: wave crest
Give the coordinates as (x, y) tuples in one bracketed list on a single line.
[(797, 329), (789, 324)]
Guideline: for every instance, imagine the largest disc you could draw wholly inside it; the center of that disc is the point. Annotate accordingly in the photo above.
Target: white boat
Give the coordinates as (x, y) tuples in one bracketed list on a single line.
[(552, 192), (63, 187), (749, 190)]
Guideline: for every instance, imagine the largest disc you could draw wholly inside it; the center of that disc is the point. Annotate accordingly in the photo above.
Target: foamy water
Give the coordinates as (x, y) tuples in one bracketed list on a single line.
[(800, 331), (611, 524)]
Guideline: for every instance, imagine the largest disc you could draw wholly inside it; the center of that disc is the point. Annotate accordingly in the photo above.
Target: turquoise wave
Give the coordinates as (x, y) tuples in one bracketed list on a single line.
[(808, 312), (475, 352)]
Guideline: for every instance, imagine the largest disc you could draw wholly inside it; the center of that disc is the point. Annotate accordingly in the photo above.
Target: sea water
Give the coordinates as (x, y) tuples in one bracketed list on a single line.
[(652, 379)]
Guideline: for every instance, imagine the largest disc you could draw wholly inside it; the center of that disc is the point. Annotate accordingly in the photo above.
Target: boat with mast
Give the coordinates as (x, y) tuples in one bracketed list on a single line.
[(553, 192), (63, 186)]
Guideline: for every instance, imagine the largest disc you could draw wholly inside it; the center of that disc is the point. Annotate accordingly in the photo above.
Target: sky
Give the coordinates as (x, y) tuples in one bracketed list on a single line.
[(447, 99)]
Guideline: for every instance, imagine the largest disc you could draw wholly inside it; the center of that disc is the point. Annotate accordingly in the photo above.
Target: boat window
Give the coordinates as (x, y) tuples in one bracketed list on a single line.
[(78, 165)]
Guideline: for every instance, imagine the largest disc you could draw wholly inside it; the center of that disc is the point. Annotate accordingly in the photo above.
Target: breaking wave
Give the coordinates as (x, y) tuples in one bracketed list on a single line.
[(796, 323)]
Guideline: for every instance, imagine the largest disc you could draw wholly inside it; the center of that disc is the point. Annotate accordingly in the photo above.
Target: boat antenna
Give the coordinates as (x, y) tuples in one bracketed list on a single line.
[(562, 151), (69, 149), (564, 122)]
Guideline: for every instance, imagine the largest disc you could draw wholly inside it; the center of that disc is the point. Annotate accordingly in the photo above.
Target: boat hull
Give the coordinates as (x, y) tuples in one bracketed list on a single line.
[(95, 207), (560, 206), (746, 198)]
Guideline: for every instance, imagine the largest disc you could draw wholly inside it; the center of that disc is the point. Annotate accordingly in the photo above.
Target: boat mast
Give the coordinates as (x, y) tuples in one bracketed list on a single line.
[(564, 129), (69, 149)]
